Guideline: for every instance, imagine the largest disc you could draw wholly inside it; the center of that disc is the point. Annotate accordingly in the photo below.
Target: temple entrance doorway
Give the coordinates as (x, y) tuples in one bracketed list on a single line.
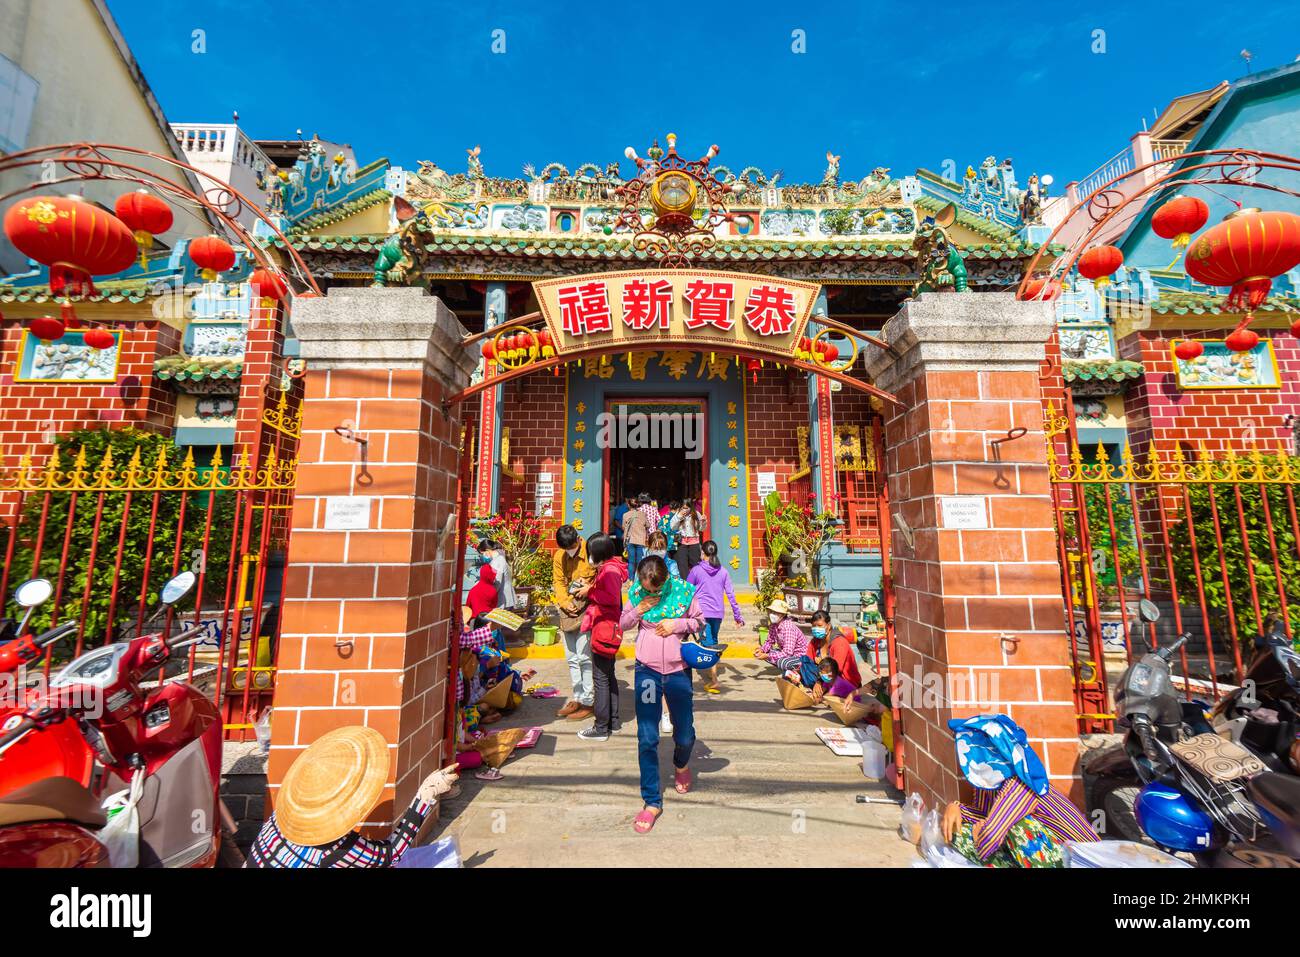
[(657, 446)]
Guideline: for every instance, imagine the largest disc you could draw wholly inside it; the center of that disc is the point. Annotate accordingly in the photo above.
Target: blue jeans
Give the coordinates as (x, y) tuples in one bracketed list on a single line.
[(650, 690), (712, 630), (634, 555)]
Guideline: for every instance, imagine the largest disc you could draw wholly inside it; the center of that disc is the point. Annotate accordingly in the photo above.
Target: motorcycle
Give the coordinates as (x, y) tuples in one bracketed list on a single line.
[(1161, 787), (61, 751), (1264, 713), (165, 742)]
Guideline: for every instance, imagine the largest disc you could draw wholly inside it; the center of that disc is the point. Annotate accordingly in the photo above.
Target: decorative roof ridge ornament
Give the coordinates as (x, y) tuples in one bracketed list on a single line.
[(688, 200)]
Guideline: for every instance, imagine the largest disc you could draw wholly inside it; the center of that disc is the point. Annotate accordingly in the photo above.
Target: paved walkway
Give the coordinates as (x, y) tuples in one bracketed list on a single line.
[(767, 792)]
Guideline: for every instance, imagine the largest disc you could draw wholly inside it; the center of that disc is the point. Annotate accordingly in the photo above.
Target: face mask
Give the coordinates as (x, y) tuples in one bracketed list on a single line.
[(827, 678), (774, 618), (819, 632)]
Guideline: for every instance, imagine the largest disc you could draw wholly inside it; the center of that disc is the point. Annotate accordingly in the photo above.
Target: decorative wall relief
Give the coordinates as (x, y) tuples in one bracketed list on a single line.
[(67, 359), (1220, 368)]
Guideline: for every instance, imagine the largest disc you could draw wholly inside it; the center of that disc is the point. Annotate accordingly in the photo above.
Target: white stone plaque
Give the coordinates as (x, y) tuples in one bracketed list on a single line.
[(345, 513), (766, 483), (964, 511)]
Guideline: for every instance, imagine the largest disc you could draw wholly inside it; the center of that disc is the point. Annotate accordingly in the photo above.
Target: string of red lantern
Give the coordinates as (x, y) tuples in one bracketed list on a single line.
[(146, 215)]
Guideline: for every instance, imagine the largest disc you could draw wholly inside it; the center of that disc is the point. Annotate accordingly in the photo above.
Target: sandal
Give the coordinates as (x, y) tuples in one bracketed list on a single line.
[(645, 821), (488, 774), (682, 780)]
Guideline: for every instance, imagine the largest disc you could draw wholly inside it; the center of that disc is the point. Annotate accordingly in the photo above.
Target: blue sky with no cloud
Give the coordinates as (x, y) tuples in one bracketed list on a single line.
[(903, 85)]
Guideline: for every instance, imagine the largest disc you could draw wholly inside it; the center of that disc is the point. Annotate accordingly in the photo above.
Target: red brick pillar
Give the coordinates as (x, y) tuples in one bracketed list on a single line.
[(369, 585), (979, 617)]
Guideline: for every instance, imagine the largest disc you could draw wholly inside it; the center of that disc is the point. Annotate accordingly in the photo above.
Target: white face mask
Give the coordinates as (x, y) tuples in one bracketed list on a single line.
[(774, 618)]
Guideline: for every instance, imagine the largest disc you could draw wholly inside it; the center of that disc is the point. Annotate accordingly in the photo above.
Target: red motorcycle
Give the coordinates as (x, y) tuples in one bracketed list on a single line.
[(61, 750), (165, 742)]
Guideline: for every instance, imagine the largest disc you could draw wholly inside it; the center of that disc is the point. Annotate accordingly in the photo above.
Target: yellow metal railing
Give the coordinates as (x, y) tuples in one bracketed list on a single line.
[(161, 476)]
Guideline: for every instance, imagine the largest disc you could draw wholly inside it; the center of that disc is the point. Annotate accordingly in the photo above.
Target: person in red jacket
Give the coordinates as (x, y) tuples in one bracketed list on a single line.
[(836, 644), (604, 607), (483, 596)]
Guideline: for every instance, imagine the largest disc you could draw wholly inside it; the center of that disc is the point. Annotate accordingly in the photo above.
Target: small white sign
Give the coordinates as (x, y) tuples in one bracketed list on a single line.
[(545, 489), (766, 483), (545, 477), (345, 513), (964, 511)]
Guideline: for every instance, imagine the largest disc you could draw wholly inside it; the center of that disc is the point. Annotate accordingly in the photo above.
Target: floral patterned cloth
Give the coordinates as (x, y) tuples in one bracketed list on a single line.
[(674, 599), (1028, 844)]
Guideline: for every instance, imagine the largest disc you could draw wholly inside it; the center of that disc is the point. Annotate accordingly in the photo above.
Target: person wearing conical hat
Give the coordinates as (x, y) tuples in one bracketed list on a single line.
[(328, 790), (786, 642)]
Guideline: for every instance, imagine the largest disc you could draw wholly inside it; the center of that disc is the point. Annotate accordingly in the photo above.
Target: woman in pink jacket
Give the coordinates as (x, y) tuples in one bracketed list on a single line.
[(665, 613)]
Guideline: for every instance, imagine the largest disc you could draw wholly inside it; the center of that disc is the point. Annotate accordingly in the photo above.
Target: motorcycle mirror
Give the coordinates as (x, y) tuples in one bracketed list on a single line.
[(177, 588), (33, 592), (1148, 611)]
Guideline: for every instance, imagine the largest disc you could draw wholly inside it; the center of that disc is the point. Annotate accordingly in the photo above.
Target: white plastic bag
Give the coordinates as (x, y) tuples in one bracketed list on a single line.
[(932, 839), (909, 826), (263, 732), (121, 835)]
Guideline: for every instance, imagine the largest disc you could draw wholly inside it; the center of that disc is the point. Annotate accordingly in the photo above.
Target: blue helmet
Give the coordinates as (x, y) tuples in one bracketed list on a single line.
[(1171, 819), (699, 656)]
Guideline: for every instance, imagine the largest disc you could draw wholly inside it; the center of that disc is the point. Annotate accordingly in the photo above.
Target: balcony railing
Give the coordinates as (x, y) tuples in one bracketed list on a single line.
[(1117, 165)]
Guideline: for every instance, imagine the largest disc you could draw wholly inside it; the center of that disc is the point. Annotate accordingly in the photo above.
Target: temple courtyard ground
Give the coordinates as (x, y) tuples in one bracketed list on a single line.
[(767, 791)]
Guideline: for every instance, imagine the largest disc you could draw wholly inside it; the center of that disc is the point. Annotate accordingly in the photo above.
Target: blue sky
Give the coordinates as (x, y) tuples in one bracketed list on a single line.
[(903, 85)]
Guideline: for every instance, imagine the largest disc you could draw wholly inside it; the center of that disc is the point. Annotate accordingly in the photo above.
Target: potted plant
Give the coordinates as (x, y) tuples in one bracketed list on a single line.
[(797, 537)]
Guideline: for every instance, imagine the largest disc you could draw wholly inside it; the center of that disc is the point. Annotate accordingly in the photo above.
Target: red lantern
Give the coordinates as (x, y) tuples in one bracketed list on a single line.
[(212, 255), (489, 350), (1179, 218), (47, 328), (268, 284), (1245, 251), (1295, 328), (828, 351), (76, 239), (753, 366), (99, 338), (1041, 289), (1099, 264), (1188, 349), (1242, 340), (146, 215)]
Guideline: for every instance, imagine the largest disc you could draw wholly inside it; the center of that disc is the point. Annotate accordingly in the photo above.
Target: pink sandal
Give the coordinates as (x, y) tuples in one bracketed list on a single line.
[(682, 780), (644, 821)]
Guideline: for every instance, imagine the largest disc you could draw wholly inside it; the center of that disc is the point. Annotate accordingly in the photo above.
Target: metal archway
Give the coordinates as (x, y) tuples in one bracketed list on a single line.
[(95, 161)]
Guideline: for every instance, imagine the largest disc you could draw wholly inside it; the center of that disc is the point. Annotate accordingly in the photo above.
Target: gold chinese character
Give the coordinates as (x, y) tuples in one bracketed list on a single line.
[(577, 485), (636, 363), (735, 562), (734, 542), (676, 361), (733, 521), (731, 408), (596, 369), (731, 424), (577, 524), (577, 505), (733, 464), (577, 466), (580, 427), (732, 483), (581, 407), (731, 443), (580, 445), (717, 367), (733, 502)]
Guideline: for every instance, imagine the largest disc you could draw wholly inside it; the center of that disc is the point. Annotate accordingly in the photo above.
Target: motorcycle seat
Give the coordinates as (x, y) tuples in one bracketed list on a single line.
[(51, 799), (1278, 796)]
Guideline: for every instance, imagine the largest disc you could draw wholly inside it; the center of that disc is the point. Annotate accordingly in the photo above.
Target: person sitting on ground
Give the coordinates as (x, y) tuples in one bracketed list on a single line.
[(327, 791), (827, 642), (831, 683), (570, 573), (657, 544), (1017, 819), (786, 643)]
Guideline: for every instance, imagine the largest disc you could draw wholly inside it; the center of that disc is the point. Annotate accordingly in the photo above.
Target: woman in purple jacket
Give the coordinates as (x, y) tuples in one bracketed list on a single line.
[(664, 612), (712, 588)]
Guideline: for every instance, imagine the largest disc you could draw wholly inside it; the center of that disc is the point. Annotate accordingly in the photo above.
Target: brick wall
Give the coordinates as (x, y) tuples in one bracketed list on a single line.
[(775, 407), (532, 408), (1166, 417)]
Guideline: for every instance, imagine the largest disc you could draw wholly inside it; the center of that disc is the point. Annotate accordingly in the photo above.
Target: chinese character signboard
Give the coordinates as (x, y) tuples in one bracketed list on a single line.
[(637, 310)]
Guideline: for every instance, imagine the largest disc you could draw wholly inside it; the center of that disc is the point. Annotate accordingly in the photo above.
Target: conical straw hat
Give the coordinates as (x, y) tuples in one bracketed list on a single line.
[(332, 786)]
